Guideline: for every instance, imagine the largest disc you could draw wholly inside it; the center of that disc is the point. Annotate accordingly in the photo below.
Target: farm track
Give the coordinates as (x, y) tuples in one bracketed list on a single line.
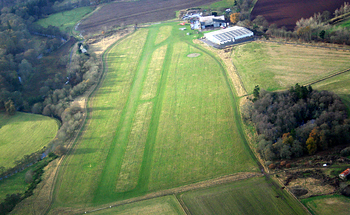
[(126, 13)]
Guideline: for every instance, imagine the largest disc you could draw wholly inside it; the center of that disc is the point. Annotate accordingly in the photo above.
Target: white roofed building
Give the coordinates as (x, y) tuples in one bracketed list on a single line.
[(228, 35)]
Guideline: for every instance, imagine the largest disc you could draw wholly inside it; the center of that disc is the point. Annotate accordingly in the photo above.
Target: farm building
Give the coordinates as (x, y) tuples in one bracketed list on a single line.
[(344, 174), (215, 21), (228, 35)]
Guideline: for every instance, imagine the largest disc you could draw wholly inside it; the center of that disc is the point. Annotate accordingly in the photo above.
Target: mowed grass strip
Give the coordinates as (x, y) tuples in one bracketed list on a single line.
[(250, 196), (154, 73), (276, 66), (162, 205), (163, 34), (129, 173), (65, 20), (325, 205), (339, 84), (23, 134), (197, 137), (82, 169)]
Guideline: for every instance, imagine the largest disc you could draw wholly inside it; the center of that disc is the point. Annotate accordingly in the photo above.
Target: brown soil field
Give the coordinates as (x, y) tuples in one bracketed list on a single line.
[(143, 11), (288, 12)]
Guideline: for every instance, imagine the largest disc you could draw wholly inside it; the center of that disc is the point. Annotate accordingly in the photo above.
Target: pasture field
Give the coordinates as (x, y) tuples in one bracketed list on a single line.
[(339, 84), (159, 120), (13, 184), (23, 134), (275, 66), (162, 205), (65, 20), (251, 196), (326, 205)]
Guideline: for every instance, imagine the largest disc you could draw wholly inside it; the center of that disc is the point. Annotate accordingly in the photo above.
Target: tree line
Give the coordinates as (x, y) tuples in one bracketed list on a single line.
[(297, 121)]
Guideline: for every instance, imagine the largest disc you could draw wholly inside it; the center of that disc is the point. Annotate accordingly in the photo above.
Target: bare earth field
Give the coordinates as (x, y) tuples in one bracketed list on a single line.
[(288, 12), (127, 13)]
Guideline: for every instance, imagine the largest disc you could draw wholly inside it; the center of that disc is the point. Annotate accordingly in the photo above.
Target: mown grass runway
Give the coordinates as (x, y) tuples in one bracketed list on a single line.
[(159, 120)]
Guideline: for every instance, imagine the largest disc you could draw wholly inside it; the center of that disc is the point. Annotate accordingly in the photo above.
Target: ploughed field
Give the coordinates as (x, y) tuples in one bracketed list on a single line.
[(159, 120), (131, 12), (288, 12)]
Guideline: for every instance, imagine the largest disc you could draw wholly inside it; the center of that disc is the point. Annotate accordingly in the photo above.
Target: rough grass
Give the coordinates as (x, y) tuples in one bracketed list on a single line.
[(154, 73), (130, 169), (250, 196), (185, 133), (273, 66), (65, 20), (162, 205), (339, 84), (164, 33), (23, 134), (325, 205)]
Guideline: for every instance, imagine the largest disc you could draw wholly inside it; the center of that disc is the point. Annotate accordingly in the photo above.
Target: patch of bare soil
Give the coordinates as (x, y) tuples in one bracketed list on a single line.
[(193, 55), (98, 44), (308, 182), (225, 55)]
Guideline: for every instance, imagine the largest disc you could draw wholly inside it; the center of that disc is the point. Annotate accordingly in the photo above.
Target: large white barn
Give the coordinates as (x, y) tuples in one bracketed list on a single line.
[(228, 35)]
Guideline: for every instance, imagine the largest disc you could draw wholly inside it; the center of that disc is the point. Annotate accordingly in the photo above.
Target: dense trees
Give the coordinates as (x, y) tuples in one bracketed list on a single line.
[(298, 121)]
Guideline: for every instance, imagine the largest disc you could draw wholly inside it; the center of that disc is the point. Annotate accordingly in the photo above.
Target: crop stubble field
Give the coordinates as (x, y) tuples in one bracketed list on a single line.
[(251, 196), (143, 137), (23, 134), (275, 66)]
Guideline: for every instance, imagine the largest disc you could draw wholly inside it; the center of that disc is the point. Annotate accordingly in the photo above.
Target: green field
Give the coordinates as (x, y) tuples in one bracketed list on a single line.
[(250, 196), (23, 134), (339, 84), (274, 66), (328, 205), (14, 184), (65, 20), (159, 120), (162, 205)]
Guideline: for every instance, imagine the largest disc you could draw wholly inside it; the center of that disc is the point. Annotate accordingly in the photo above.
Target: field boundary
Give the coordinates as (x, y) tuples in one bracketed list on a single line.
[(328, 77), (173, 191)]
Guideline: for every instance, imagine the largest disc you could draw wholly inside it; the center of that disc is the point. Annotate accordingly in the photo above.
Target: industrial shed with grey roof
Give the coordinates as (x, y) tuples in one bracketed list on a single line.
[(228, 35)]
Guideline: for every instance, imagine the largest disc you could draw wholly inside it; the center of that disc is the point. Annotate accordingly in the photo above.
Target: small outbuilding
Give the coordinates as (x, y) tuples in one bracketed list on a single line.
[(344, 174)]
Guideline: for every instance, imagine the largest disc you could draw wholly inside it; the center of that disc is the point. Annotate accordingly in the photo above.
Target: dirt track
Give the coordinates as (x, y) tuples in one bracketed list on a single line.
[(143, 11), (288, 12)]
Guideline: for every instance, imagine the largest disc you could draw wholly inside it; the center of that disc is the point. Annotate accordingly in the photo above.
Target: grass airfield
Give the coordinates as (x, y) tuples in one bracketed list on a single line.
[(159, 120)]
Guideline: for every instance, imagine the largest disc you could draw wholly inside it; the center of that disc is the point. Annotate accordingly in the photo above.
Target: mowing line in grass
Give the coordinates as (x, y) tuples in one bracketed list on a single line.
[(113, 166), (129, 172), (164, 33), (151, 83), (108, 103)]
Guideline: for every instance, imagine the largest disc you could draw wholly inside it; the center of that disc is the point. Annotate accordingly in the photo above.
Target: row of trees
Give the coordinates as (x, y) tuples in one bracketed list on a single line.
[(298, 121)]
